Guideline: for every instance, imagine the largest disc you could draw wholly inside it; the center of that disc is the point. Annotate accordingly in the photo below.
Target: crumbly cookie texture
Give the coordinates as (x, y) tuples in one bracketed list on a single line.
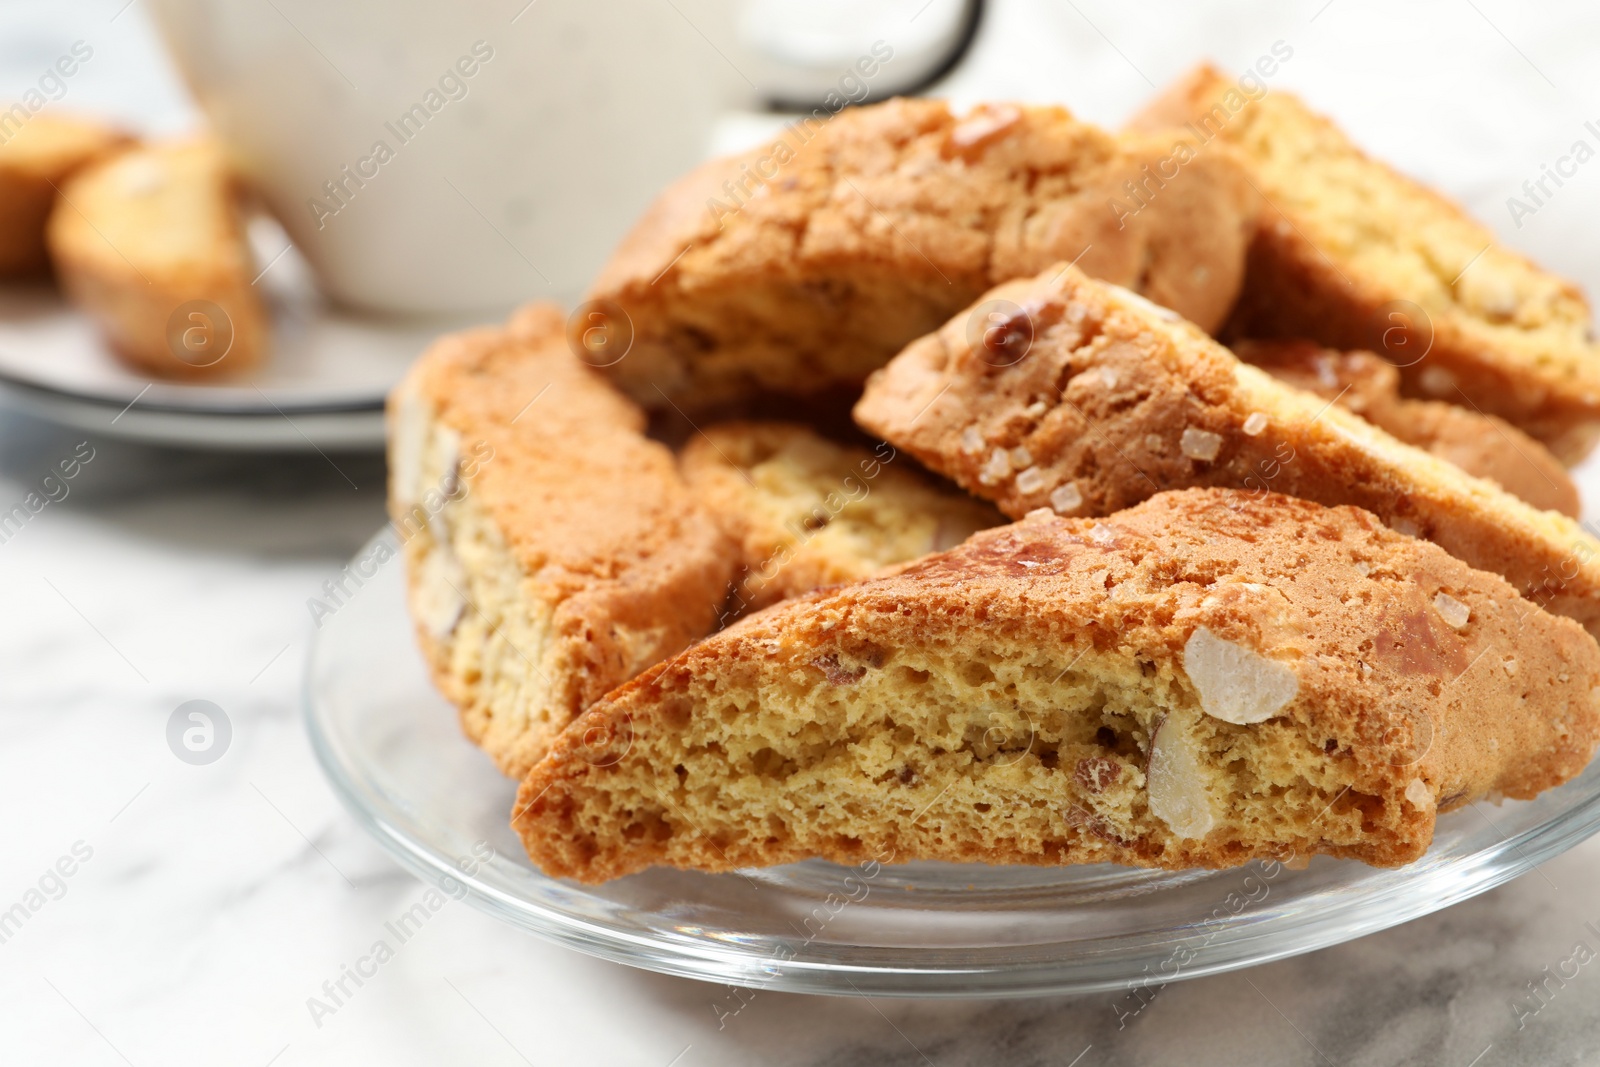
[(1483, 445), (1095, 399), (808, 512), (138, 237), (1207, 678), (35, 160), (1354, 255), (807, 263), (552, 551)]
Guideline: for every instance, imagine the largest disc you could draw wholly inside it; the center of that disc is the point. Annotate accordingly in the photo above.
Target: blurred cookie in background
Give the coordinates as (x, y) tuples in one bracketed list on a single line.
[(151, 244), (1480, 444), (37, 154)]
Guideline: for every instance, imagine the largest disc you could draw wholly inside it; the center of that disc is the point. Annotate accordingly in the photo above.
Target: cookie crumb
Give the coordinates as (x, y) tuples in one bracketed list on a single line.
[(998, 468), (1066, 498), (980, 128), (1200, 444), (1451, 610)]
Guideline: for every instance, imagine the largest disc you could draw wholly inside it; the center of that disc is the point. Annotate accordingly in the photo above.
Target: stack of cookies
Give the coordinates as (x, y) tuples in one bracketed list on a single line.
[(1153, 498), (147, 239)]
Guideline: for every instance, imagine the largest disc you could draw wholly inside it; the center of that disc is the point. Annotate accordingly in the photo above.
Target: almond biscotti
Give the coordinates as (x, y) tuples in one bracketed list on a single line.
[(151, 245), (809, 262), (36, 158), (552, 551), (1089, 399), (1482, 445), (1354, 255), (808, 512), (1204, 679)]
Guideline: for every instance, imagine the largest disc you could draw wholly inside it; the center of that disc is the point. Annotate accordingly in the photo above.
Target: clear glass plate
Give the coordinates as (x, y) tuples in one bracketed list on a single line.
[(391, 746)]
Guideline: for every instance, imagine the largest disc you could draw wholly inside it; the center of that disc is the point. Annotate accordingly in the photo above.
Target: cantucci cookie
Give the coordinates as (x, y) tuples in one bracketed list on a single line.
[(808, 512), (1482, 445), (809, 262), (151, 244), (36, 157), (1207, 678), (1352, 254), (552, 550), (1091, 398)]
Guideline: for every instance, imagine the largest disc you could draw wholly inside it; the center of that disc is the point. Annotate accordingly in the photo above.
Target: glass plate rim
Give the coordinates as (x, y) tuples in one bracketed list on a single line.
[(1234, 942)]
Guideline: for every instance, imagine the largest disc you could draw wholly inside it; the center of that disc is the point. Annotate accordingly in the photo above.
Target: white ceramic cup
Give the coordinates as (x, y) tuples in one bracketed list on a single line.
[(435, 158)]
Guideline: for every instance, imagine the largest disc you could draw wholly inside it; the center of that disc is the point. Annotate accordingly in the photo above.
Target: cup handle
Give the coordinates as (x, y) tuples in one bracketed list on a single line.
[(824, 55)]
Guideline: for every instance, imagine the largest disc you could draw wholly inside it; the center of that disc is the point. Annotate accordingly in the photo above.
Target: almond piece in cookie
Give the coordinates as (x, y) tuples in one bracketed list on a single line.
[(552, 550), (807, 263), (1115, 399), (1208, 678), (1354, 255), (151, 245), (809, 512), (1482, 445), (38, 154)]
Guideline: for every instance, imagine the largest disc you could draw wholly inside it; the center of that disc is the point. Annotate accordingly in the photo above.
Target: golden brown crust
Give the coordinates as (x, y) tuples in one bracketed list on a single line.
[(1418, 685), (1354, 255), (1116, 399), (809, 262), (553, 551), (139, 236), (808, 512), (1482, 445), (35, 159)]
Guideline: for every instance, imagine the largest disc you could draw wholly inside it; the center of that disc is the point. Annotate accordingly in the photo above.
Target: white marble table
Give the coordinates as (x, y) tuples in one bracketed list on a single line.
[(207, 904)]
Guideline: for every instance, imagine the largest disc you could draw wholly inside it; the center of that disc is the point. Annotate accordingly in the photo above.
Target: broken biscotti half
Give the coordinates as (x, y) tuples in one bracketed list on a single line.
[(808, 512), (1482, 445), (809, 262), (1204, 679), (1352, 254), (151, 244), (552, 551), (1089, 398), (36, 157)]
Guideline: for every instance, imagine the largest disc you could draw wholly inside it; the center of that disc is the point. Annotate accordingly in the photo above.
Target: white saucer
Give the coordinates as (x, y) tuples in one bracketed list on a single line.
[(322, 385)]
